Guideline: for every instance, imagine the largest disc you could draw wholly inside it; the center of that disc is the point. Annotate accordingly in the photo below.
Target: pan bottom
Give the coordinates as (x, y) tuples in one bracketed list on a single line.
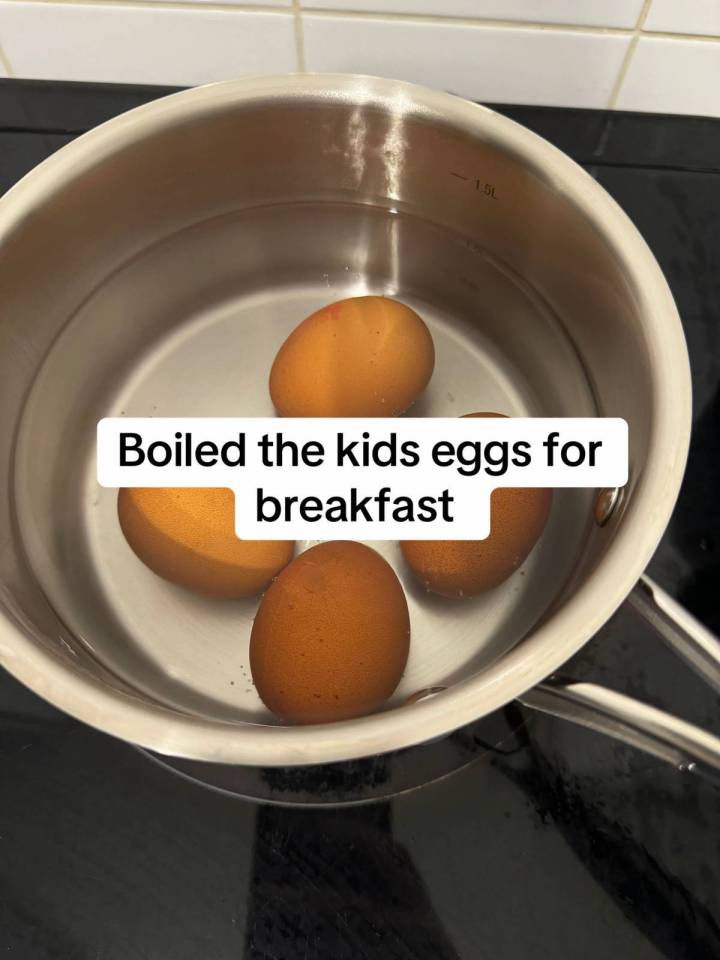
[(190, 327), (370, 780)]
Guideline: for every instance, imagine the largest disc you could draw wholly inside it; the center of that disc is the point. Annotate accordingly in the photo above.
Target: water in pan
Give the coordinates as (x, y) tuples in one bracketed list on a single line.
[(190, 328)]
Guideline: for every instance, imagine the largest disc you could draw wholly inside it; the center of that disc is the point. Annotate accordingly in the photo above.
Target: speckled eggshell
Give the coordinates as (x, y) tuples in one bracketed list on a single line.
[(360, 357), (465, 568), (331, 637), (187, 536)]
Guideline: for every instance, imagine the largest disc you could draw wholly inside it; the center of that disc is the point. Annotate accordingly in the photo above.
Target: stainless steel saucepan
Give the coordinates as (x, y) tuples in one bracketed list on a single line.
[(154, 266)]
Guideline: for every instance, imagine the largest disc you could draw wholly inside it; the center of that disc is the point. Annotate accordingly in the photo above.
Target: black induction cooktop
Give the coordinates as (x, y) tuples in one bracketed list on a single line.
[(556, 843)]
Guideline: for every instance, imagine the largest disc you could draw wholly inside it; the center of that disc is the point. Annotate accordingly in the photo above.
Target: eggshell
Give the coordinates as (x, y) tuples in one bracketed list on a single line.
[(465, 568), (361, 357), (187, 536), (331, 637)]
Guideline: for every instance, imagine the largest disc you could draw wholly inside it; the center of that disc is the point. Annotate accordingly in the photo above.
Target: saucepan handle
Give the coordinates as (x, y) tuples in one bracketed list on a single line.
[(686, 746)]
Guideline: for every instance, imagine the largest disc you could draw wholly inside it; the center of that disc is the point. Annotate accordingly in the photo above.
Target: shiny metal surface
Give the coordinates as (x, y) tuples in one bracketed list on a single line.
[(154, 266), (608, 500), (685, 635), (366, 780), (669, 738), (425, 694), (648, 729), (179, 352)]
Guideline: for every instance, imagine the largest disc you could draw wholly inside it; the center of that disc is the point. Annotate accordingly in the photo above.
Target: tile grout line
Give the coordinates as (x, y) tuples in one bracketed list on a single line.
[(324, 12), (664, 35), (289, 8), (568, 27), (295, 8), (299, 36), (629, 53), (285, 10), (4, 62)]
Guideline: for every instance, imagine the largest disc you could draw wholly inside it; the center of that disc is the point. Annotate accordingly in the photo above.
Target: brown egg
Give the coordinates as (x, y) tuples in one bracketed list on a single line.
[(465, 568), (362, 357), (331, 636), (188, 537)]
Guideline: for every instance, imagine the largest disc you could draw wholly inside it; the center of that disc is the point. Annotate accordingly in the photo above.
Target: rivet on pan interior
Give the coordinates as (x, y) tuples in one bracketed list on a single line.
[(425, 694), (606, 504)]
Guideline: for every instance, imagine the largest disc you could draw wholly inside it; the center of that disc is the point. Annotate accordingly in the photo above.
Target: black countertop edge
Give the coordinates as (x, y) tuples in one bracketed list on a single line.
[(598, 137)]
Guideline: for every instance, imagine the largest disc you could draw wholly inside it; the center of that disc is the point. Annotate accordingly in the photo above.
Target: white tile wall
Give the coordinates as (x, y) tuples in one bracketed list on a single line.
[(249, 5), (673, 76), (587, 53), (482, 63), (685, 16), (142, 44), (599, 13)]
